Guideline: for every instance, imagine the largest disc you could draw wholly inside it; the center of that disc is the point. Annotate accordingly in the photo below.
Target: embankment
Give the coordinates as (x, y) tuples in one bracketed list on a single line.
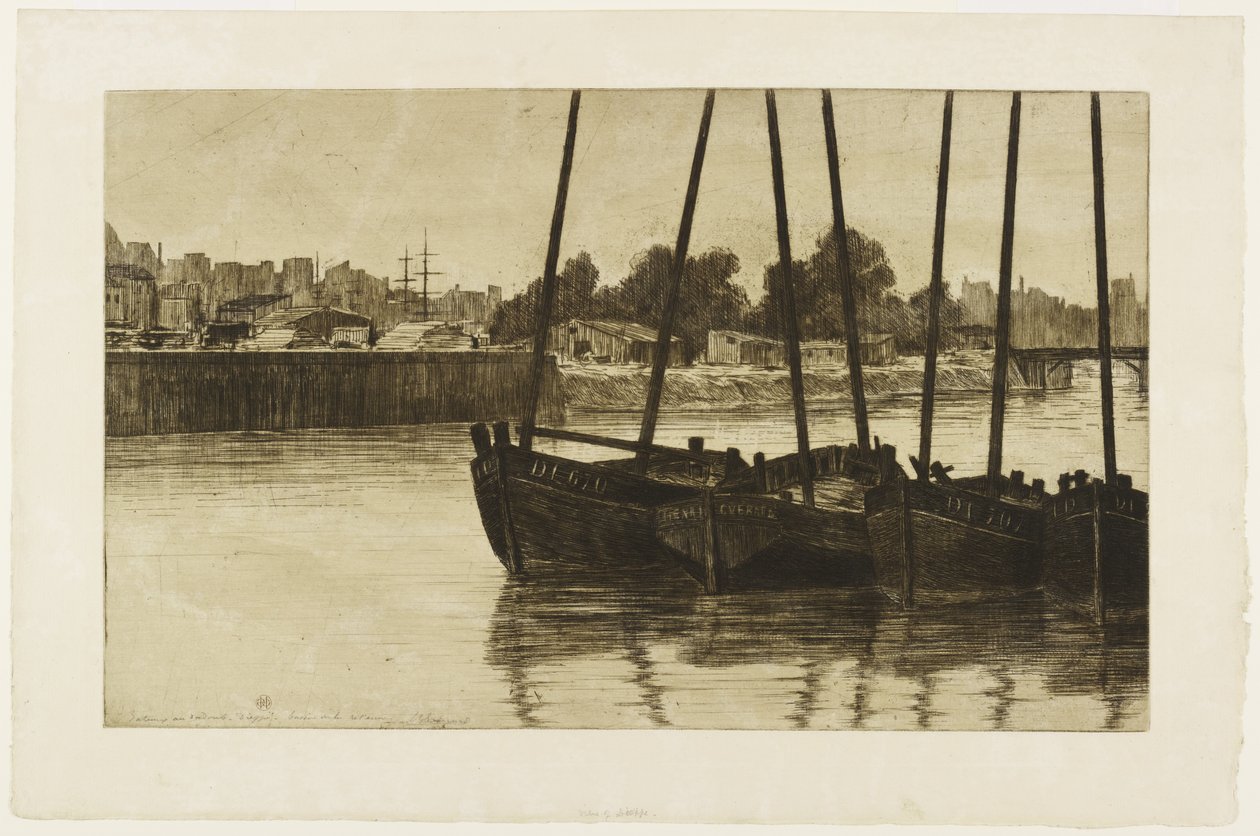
[(213, 391), (594, 386)]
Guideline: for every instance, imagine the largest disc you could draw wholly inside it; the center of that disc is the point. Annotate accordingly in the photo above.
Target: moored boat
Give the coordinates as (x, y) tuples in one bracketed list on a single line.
[(937, 539), (798, 520), (948, 542), (741, 535), (540, 509), (1096, 548), (1097, 534)]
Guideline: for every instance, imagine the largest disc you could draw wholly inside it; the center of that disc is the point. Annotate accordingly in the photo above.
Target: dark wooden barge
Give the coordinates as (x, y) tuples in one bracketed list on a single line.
[(937, 539), (1097, 560), (797, 520)]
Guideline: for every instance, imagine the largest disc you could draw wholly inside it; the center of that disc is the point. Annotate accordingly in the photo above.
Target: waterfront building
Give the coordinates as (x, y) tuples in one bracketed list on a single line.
[(179, 306), (472, 308), (252, 308), (732, 348), (613, 342), (876, 349), (970, 336), (979, 303), (130, 297), (1127, 326), (309, 327), (432, 335), (297, 279), (193, 268)]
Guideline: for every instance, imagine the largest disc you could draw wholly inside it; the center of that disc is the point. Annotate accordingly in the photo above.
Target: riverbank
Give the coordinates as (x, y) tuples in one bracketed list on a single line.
[(592, 385)]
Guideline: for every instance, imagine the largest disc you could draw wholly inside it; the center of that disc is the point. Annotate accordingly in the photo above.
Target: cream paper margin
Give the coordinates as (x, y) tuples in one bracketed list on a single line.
[(66, 764)]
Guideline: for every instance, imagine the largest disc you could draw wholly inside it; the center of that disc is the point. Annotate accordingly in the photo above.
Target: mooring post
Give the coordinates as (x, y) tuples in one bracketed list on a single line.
[(1003, 336), (935, 293), (660, 359), (788, 303), (1104, 295), (546, 302), (502, 442)]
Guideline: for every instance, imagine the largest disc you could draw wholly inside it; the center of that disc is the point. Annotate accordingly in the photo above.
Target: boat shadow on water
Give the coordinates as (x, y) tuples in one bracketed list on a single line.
[(832, 658)]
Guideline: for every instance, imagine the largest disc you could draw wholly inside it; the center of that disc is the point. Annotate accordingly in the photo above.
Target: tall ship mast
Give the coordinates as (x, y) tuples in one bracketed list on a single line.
[(406, 279), (425, 272)]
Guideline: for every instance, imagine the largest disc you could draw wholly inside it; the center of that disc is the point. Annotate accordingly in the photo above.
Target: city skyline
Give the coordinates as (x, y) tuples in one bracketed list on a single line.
[(260, 173)]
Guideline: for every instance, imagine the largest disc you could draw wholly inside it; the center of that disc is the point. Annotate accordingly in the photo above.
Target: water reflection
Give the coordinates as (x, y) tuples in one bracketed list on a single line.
[(305, 564), (649, 645)]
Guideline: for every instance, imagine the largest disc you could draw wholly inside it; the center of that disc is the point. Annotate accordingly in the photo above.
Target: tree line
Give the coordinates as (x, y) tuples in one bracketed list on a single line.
[(709, 298)]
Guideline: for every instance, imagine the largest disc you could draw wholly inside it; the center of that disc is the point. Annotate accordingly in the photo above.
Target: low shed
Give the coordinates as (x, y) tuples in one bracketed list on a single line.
[(332, 325), (620, 342), (732, 348)]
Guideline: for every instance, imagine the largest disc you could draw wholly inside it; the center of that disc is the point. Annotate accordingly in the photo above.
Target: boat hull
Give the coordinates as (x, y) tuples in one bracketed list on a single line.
[(933, 543), (1096, 559), (750, 541), (540, 510)]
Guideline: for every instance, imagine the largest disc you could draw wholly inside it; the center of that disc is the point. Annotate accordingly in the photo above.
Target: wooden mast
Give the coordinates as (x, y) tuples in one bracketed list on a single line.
[(936, 291), (1104, 300), (788, 304), (647, 429), (1003, 337), (545, 303), (845, 269)]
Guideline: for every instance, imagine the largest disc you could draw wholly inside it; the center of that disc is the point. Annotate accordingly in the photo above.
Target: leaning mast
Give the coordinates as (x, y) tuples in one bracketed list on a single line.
[(847, 296), (548, 290), (665, 335), (936, 291), (788, 305), (1001, 355)]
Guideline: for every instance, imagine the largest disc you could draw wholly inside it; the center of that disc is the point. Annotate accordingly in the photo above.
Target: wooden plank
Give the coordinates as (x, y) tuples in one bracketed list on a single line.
[(1003, 337), (788, 304), (1139, 352), (656, 382), (845, 271), (622, 444), (1104, 295), (937, 290), (548, 294)]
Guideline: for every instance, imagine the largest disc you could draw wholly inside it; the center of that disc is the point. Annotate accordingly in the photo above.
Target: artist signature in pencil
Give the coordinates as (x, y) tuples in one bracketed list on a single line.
[(619, 813), (426, 720)]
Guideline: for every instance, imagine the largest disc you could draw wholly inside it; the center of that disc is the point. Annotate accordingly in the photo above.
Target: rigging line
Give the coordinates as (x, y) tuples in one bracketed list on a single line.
[(200, 139), (149, 111), (421, 147), (594, 133)]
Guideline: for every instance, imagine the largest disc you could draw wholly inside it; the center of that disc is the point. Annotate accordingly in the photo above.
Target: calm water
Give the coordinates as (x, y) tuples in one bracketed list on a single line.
[(342, 578)]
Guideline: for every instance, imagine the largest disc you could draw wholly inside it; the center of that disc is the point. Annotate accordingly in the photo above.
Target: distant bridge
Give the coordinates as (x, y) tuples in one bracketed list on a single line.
[(1051, 368)]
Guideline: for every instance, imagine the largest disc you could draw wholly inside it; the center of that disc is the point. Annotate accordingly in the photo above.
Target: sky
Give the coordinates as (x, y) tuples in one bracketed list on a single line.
[(359, 174)]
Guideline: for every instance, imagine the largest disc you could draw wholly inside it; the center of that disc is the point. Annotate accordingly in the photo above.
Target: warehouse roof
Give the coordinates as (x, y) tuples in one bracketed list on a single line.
[(626, 330)]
